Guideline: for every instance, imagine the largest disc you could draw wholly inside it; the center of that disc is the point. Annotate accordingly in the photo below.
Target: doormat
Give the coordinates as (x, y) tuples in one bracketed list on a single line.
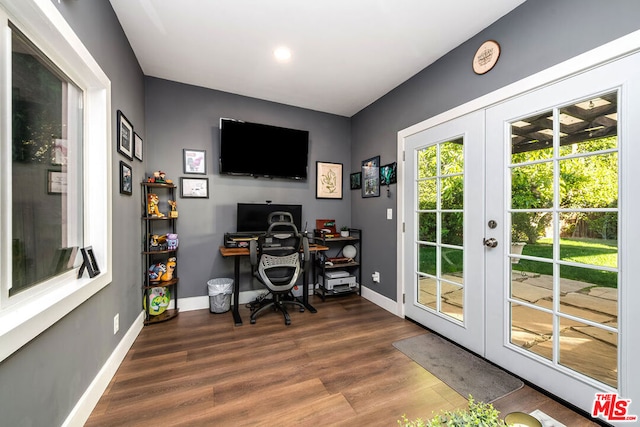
[(459, 369)]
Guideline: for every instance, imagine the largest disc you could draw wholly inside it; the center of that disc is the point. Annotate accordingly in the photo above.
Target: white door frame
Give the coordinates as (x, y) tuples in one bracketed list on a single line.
[(602, 54)]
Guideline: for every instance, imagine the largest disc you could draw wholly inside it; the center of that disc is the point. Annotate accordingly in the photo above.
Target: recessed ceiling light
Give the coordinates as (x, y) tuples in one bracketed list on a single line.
[(282, 54)]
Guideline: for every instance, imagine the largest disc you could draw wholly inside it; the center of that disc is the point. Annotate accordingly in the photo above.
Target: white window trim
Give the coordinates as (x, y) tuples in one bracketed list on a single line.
[(22, 321)]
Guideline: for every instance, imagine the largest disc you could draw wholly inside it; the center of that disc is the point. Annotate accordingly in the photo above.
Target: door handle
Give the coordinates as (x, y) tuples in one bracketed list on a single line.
[(490, 242)]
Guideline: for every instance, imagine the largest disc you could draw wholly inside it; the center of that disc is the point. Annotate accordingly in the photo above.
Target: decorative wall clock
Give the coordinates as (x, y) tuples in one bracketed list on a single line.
[(486, 57)]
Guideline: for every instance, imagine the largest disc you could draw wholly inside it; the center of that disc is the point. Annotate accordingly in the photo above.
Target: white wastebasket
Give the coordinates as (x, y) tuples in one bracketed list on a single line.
[(220, 291)]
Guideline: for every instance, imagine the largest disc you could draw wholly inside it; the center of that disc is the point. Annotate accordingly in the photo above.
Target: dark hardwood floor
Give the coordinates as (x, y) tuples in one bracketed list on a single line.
[(335, 367)]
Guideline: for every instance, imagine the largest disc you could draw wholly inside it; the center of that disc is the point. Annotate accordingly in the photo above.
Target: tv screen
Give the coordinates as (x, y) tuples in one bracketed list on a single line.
[(252, 217), (259, 150)]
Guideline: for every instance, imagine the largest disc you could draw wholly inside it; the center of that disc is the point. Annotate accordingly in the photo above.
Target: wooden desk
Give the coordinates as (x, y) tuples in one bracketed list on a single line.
[(237, 253)]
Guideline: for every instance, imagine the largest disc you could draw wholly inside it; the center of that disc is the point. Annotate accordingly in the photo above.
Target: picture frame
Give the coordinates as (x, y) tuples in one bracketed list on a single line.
[(389, 174), (59, 147), (194, 161), (137, 146), (125, 136), (56, 182), (194, 188), (355, 180), (328, 180), (89, 263), (126, 179), (371, 177)]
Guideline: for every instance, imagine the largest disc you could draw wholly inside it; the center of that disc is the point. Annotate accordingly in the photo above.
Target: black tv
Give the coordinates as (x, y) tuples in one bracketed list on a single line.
[(258, 150), (252, 217)]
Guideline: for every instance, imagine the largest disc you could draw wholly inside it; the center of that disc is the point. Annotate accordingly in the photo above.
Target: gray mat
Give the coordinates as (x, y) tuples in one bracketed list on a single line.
[(459, 369)]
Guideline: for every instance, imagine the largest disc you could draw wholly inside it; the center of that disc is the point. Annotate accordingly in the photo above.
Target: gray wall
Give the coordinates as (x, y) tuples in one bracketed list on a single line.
[(42, 382), (533, 37), (182, 116)]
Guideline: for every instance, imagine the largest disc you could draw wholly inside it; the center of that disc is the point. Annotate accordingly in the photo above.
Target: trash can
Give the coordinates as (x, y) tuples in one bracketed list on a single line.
[(220, 291)]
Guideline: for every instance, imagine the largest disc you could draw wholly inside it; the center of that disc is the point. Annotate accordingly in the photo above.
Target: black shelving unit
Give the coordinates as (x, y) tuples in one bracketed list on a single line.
[(332, 261), (161, 226)]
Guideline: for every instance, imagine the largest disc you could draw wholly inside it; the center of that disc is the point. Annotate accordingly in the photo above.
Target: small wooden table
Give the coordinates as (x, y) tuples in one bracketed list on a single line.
[(237, 253)]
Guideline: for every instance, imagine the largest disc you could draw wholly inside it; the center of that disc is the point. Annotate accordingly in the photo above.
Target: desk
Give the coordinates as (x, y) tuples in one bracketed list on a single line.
[(236, 253)]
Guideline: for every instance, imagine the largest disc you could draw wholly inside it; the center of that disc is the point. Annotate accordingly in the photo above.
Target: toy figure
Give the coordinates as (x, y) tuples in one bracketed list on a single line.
[(152, 205), (172, 241), (173, 213), (170, 268), (156, 270), (157, 242)]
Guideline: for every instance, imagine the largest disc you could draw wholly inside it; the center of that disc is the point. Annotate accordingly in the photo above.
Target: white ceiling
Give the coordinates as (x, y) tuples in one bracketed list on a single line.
[(345, 53)]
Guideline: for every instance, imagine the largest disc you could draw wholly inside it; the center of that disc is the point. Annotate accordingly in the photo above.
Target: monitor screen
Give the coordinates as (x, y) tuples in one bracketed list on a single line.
[(258, 150), (252, 217)]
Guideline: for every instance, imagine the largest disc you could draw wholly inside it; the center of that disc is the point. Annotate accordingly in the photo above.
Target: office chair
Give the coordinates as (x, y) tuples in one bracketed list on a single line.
[(278, 258)]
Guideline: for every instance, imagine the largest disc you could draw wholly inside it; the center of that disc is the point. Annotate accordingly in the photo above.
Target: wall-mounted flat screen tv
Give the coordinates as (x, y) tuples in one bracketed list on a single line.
[(259, 150), (252, 217)]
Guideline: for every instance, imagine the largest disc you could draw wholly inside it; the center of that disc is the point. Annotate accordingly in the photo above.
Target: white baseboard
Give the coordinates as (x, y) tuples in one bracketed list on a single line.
[(380, 300), (202, 302), (81, 412)]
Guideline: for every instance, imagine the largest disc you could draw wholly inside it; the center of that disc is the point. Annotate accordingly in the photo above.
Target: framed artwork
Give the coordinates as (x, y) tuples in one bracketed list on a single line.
[(126, 179), (328, 180), (355, 180), (197, 188), (125, 136), (56, 182), (89, 263), (371, 177), (388, 174), (59, 152), (194, 161), (137, 146)]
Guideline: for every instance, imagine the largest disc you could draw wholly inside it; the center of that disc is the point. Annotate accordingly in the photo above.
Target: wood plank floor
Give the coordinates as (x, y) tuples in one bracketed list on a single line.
[(336, 367)]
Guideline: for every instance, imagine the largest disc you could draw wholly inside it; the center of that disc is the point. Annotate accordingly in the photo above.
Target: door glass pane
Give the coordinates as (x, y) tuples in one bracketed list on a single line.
[(440, 218), (570, 239)]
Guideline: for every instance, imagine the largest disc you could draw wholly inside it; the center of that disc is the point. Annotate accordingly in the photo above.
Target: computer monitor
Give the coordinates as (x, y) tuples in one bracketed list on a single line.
[(252, 217)]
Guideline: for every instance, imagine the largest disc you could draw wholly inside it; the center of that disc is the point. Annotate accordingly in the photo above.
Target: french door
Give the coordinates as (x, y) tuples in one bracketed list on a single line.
[(521, 223)]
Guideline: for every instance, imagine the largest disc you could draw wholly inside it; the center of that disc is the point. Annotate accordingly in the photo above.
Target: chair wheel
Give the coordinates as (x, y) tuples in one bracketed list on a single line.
[(302, 310), (287, 322), (253, 321)]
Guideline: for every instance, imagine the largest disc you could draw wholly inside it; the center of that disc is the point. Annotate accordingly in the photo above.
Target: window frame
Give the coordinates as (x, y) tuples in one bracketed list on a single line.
[(27, 314)]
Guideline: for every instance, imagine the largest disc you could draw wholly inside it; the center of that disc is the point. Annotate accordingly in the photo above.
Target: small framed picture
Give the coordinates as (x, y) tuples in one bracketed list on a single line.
[(137, 146), (194, 161), (388, 174), (197, 188), (89, 263), (56, 182), (355, 180), (371, 177), (125, 136), (328, 180), (126, 179)]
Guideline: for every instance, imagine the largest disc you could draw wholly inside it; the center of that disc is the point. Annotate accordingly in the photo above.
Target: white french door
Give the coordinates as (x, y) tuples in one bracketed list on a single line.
[(520, 228), (443, 227)]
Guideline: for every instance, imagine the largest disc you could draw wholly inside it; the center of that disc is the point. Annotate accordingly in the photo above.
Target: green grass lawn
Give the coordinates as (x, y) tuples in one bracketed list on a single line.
[(585, 251)]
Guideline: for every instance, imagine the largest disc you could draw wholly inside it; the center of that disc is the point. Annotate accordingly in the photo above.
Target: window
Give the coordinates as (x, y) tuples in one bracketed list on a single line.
[(55, 128)]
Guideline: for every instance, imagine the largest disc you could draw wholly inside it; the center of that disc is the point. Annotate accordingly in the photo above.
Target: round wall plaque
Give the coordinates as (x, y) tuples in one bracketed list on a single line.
[(486, 57)]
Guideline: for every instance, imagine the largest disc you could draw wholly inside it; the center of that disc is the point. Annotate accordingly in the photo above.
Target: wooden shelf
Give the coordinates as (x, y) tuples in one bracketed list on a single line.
[(162, 317), (161, 284)]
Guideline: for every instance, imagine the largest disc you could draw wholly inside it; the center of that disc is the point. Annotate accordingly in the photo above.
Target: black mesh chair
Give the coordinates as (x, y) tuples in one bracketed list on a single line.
[(278, 259)]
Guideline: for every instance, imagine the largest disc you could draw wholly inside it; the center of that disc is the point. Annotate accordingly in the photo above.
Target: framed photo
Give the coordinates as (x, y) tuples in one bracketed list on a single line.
[(126, 179), (137, 146), (355, 180), (328, 180), (194, 188), (388, 174), (59, 152), (125, 136), (371, 177), (194, 161), (56, 182), (89, 263)]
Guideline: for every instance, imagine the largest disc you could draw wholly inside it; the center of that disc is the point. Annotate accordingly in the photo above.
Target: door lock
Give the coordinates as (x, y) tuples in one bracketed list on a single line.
[(490, 242)]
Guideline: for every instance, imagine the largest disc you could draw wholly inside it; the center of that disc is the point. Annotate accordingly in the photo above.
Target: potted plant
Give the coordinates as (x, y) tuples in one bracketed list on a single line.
[(477, 414), (344, 231)]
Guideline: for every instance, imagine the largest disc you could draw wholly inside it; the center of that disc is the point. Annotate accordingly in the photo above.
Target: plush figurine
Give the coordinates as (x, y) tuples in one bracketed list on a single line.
[(173, 213), (156, 270), (152, 205), (170, 268), (172, 241)]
